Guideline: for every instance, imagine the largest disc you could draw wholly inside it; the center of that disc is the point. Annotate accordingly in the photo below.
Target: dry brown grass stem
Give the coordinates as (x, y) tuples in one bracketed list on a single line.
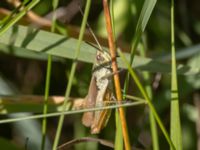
[(112, 49)]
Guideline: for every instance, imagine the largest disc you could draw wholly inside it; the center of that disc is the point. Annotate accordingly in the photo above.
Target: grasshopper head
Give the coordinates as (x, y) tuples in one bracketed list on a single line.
[(102, 57)]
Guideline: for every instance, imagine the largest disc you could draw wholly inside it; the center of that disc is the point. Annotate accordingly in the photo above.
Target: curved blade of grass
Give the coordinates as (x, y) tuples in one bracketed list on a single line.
[(145, 14), (18, 16), (143, 92), (69, 144), (141, 25), (73, 68), (175, 125)]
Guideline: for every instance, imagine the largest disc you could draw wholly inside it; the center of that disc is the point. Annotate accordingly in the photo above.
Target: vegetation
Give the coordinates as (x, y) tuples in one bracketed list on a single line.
[(46, 60)]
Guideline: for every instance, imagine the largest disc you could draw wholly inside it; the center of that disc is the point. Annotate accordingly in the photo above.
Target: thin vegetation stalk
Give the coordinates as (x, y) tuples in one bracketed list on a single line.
[(45, 106), (153, 126), (154, 131), (55, 114), (47, 83), (112, 49), (175, 124), (143, 92), (73, 68)]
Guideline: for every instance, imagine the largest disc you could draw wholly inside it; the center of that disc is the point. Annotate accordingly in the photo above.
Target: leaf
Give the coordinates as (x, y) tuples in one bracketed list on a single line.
[(35, 43)]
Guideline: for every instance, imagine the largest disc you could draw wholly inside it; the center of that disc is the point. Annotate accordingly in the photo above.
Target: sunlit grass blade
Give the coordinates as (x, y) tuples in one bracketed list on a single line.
[(143, 92), (73, 68), (175, 124), (18, 16)]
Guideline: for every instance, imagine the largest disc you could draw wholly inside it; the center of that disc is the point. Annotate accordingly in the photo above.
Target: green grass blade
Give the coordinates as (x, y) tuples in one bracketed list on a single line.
[(73, 68), (175, 124), (18, 16), (143, 92), (154, 131), (145, 14), (118, 134), (47, 84), (153, 126)]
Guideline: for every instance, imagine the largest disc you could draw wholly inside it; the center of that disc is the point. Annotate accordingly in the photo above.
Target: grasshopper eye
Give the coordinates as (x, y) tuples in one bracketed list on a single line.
[(100, 58)]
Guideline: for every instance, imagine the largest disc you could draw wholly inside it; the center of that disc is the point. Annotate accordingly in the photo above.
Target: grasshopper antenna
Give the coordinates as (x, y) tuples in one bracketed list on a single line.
[(90, 30), (93, 35)]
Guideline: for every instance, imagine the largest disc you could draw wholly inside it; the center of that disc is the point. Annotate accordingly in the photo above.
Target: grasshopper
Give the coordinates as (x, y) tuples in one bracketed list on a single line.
[(100, 91)]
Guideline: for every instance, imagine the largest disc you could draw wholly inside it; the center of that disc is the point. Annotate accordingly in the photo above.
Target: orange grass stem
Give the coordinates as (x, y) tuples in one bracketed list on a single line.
[(112, 49)]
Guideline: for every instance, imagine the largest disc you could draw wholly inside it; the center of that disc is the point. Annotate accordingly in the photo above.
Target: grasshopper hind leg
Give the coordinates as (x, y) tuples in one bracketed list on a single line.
[(103, 116)]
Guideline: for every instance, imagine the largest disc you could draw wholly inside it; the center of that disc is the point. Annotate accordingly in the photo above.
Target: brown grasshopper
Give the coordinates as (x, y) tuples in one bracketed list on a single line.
[(100, 92)]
